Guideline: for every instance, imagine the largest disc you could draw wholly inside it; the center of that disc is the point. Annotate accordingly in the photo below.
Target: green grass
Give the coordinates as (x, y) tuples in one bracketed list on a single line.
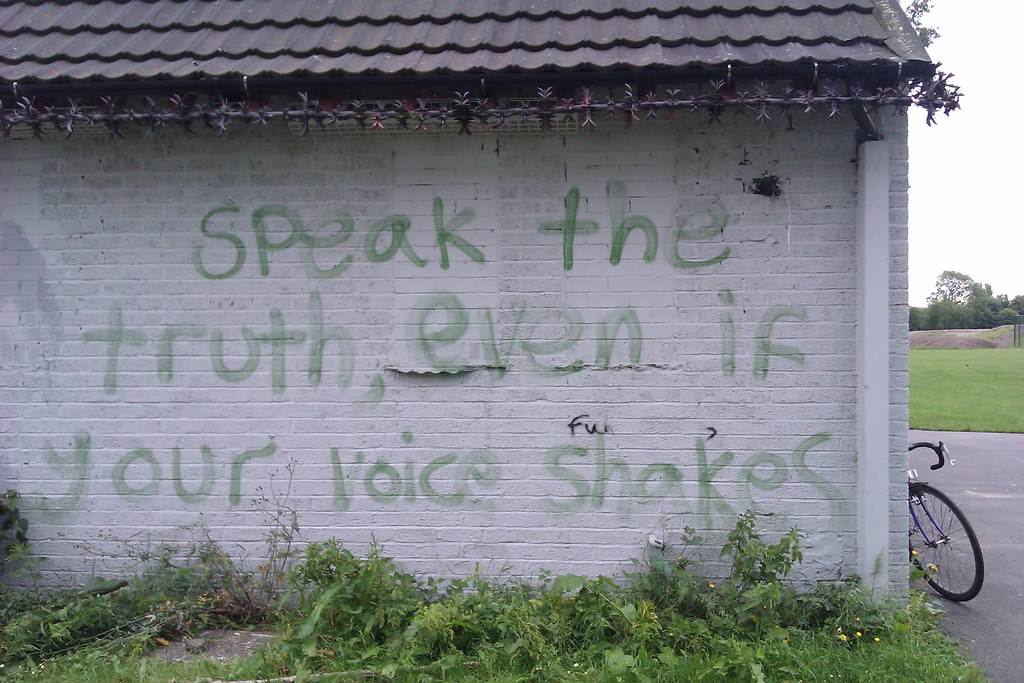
[(971, 390), (996, 332)]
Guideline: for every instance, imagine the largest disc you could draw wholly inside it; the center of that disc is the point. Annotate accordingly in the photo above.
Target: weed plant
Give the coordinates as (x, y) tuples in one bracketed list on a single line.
[(662, 622), (346, 617), (108, 614), (14, 545), (175, 596)]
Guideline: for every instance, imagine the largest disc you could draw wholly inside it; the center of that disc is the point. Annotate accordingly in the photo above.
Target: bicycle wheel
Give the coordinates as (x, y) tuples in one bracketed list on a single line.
[(944, 545)]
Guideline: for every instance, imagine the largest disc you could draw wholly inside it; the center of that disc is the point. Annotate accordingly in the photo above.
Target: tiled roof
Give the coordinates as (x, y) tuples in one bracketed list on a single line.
[(109, 40)]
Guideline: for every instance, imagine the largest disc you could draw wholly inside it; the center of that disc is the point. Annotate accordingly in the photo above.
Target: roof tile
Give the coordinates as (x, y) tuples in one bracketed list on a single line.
[(114, 39)]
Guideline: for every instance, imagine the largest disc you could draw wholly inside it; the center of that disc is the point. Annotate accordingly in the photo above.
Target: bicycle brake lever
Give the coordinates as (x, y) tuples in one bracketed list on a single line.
[(941, 451)]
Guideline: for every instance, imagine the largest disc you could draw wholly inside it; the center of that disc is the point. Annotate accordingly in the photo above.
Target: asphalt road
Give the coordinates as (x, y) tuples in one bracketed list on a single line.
[(987, 483)]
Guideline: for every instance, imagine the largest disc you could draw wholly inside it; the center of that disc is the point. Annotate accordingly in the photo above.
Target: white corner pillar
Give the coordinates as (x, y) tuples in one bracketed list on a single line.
[(873, 365)]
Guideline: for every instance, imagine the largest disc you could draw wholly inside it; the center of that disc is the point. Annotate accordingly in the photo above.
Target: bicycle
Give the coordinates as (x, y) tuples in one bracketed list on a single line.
[(942, 543)]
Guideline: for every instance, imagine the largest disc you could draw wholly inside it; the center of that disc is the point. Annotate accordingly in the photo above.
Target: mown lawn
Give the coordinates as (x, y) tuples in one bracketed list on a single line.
[(972, 390)]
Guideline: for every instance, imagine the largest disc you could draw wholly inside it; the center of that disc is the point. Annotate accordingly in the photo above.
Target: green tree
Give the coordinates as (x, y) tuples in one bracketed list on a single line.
[(916, 10), (918, 318), (1006, 316), (949, 315), (959, 302), (954, 287)]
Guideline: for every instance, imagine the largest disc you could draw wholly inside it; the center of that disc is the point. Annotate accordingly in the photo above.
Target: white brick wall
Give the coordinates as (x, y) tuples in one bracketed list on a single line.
[(155, 375)]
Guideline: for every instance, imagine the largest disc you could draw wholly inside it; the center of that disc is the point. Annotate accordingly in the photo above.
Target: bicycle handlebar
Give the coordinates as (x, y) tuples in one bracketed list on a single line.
[(940, 451)]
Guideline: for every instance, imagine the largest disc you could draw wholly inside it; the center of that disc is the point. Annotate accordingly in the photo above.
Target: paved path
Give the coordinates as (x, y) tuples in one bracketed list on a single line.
[(988, 485)]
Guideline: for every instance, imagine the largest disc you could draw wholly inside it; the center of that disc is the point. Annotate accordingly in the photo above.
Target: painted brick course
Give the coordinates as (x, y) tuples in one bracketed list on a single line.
[(397, 331)]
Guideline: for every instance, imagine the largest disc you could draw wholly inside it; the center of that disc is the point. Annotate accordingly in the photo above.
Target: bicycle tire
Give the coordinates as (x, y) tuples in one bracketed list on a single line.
[(944, 545)]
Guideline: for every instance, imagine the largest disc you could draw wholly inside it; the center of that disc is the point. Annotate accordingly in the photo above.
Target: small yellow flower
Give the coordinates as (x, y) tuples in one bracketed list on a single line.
[(857, 634), (711, 585), (876, 639), (842, 636)]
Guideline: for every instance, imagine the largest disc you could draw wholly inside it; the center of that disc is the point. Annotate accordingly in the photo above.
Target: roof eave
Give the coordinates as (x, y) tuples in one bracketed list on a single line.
[(914, 69), (904, 39)]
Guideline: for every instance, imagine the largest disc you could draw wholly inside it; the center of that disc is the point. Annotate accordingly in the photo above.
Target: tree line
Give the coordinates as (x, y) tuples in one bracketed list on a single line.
[(959, 302)]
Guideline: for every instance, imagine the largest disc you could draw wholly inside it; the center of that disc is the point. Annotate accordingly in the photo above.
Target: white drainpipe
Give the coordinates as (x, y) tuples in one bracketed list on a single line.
[(873, 332)]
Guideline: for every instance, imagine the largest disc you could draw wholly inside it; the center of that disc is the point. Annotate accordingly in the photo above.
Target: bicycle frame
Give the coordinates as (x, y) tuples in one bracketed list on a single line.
[(942, 542), (917, 500)]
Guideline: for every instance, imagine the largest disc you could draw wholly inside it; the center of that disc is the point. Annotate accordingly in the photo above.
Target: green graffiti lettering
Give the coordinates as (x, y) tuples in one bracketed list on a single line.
[(622, 225), (375, 394), (728, 334), (446, 499), (604, 469), (552, 458), (398, 225), (264, 245), (338, 476), (74, 467), (204, 486), (319, 336), (278, 337), (234, 240), (115, 335), (481, 466), (766, 348), (826, 488), (451, 330), (704, 224), (165, 347), (499, 354), (776, 474), (252, 341), (236, 468), (445, 234), (708, 495), (121, 484), (386, 483), (394, 489), (609, 330), (314, 242), (717, 219), (410, 481), (667, 475), (569, 226), (573, 331)]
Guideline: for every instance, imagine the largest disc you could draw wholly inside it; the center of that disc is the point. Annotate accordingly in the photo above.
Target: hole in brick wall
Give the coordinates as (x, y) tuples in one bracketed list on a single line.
[(767, 186)]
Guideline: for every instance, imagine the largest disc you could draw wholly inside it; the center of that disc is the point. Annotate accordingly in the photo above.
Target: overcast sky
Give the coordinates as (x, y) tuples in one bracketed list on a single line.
[(967, 171)]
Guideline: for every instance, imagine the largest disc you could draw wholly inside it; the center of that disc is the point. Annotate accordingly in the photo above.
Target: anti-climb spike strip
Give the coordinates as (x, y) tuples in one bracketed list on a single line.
[(934, 96)]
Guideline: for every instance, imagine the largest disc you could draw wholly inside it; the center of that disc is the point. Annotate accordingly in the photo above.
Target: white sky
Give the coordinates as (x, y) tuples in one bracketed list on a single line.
[(967, 171)]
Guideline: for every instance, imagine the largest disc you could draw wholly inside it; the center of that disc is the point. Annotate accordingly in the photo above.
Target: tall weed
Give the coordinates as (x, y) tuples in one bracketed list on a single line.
[(350, 617), (14, 545)]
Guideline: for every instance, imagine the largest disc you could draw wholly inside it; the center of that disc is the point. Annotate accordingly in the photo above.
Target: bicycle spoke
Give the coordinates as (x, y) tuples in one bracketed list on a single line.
[(943, 544)]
